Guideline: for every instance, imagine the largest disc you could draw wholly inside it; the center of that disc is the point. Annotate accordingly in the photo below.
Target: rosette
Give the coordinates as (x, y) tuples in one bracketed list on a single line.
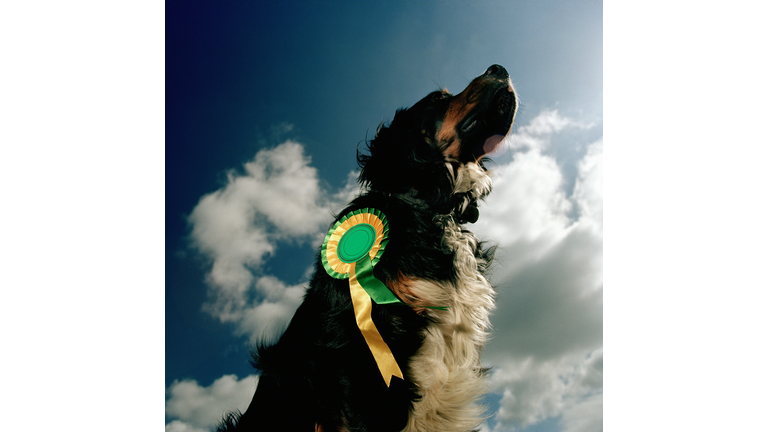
[(352, 247)]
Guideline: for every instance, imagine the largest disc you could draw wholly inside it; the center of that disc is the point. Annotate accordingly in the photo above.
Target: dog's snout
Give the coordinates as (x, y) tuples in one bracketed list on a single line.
[(497, 71)]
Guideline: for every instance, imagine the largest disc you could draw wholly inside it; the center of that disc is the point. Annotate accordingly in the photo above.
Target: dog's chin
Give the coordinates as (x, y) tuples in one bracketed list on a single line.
[(497, 118)]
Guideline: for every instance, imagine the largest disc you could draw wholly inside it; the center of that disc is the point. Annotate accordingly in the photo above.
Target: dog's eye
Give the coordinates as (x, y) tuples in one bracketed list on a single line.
[(469, 126)]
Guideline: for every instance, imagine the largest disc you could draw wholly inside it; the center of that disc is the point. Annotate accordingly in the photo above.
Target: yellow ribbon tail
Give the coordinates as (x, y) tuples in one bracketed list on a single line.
[(361, 302)]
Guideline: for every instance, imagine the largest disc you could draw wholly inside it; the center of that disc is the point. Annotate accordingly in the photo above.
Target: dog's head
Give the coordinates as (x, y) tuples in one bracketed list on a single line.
[(433, 151)]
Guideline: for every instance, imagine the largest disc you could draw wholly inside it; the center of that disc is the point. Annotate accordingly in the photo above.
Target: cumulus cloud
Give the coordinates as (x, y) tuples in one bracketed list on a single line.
[(277, 198), (584, 416), (271, 315), (588, 192), (527, 202), (198, 408), (547, 329), (536, 135), (533, 390)]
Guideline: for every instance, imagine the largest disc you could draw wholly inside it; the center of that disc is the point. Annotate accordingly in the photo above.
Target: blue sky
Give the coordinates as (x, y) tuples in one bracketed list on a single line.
[(120, 119), (266, 103)]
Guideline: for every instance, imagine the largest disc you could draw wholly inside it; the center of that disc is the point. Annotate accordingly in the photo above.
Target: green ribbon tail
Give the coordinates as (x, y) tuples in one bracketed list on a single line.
[(378, 292)]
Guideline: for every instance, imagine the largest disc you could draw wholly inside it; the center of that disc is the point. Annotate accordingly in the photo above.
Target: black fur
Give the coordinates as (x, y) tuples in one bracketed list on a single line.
[(321, 375)]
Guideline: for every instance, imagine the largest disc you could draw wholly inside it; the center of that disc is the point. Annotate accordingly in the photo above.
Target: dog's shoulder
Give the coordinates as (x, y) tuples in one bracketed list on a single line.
[(414, 243)]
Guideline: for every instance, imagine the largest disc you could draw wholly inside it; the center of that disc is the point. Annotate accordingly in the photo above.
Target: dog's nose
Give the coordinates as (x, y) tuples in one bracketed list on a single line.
[(496, 71)]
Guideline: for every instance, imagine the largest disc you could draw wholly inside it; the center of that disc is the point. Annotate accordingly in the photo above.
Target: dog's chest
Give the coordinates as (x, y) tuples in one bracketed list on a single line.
[(447, 367)]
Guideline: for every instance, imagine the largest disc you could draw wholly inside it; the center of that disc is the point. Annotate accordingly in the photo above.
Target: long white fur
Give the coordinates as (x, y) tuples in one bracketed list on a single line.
[(447, 367)]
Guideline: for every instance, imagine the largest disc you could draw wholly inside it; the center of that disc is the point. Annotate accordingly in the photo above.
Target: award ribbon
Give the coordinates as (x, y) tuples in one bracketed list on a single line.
[(352, 247)]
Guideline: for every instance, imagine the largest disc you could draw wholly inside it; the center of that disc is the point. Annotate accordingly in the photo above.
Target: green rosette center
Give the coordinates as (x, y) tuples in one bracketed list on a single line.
[(356, 242)]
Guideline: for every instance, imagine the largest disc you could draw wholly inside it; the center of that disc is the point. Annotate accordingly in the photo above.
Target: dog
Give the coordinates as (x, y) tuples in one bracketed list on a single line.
[(422, 177)]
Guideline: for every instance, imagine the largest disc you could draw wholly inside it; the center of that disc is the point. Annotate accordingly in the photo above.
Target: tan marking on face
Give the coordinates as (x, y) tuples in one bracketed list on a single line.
[(447, 134), (461, 105)]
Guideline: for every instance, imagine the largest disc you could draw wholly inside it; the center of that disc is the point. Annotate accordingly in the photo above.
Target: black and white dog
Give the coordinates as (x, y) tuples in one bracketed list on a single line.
[(425, 173)]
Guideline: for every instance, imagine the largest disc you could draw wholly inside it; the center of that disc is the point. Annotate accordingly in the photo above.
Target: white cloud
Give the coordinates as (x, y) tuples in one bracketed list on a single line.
[(533, 390), (278, 198), (549, 122), (584, 416), (200, 408), (527, 202), (270, 316), (537, 133), (588, 192), (546, 348), (280, 184)]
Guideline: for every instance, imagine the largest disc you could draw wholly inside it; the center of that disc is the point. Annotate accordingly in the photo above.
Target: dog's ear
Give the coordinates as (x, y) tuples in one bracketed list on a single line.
[(382, 168), (402, 159)]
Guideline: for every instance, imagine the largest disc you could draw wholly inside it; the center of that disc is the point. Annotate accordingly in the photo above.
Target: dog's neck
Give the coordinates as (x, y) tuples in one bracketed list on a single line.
[(470, 185)]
